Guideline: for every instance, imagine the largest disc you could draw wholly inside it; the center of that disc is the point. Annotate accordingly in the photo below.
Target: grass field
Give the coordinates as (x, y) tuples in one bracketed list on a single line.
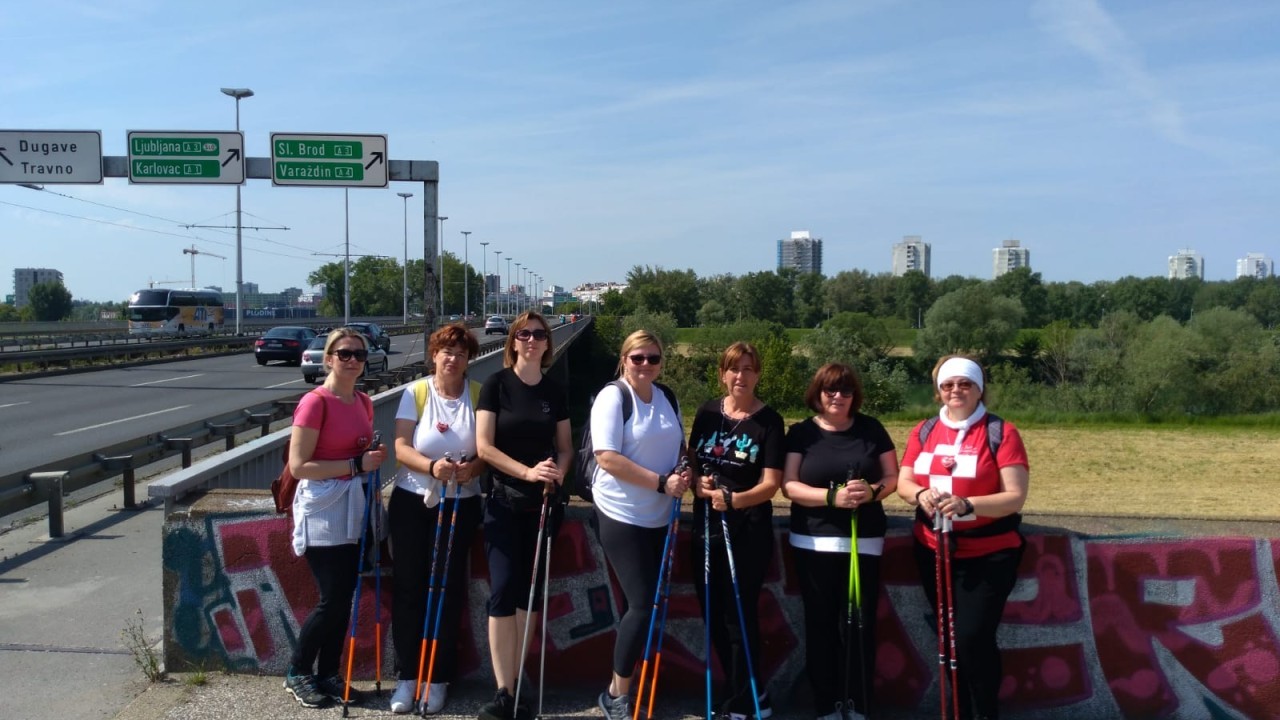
[(1218, 473)]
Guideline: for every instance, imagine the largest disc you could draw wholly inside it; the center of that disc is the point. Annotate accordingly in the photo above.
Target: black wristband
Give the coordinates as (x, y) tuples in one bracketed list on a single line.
[(359, 463), (431, 468), (920, 492), (831, 497), (875, 490), (662, 485), (968, 506), (727, 494)]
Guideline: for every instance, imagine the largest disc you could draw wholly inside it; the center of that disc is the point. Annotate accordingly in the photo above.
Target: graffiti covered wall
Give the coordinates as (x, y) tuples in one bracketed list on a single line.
[(1096, 627)]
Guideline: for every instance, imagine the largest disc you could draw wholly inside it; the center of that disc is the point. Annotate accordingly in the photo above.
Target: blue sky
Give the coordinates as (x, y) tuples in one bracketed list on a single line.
[(583, 138)]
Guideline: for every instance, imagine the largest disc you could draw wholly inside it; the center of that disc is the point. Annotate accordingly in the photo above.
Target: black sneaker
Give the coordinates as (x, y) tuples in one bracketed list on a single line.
[(766, 706), (615, 708), (334, 687), (304, 690), (502, 708)]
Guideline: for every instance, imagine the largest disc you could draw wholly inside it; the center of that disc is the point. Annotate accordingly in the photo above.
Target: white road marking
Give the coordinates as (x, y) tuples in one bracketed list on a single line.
[(272, 387), (25, 402), (113, 422), (157, 382)]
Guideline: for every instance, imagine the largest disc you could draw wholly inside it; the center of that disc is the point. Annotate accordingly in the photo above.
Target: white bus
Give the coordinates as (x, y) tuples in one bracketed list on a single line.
[(175, 312)]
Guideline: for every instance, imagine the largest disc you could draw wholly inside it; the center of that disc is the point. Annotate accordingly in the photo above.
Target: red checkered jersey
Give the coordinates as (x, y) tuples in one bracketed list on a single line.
[(968, 471)]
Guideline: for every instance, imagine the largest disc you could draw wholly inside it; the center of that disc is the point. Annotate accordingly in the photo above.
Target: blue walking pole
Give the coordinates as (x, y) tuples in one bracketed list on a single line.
[(431, 592), (355, 606), (737, 599), (657, 600), (444, 587)]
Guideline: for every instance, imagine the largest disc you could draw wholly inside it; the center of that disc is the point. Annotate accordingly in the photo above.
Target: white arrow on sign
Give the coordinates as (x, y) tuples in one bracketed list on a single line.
[(51, 157)]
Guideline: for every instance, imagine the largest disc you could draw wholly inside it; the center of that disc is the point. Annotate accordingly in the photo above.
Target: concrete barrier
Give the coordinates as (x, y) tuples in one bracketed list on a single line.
[(1098, 627)]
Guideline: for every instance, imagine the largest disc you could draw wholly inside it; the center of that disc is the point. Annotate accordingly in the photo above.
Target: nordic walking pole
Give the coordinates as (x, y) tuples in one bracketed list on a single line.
[(355, 606), (542, 661), (940, 594), (737, 599), (444, 584), (657, 600), (431, 592), (949, 577), (706, 588), (667, 571), (533, 586), (377, 583)]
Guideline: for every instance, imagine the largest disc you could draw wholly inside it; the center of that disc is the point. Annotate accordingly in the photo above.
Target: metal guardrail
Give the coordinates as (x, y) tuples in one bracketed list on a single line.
[(255, 464)]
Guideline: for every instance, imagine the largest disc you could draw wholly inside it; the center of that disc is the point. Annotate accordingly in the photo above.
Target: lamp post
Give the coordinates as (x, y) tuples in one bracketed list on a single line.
[(346, 258), (484, 280), (466, 274), (404, 291), (519, 291), (497, 264), (509, 285), (442, 219), (238, 94)]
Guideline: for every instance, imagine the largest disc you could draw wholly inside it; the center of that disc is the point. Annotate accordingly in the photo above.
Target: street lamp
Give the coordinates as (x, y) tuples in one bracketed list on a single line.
[(497, 268), (442, 218), (509, 286), (520, 291), (466, 274), (238, 93), (404, 290), (484, 280)]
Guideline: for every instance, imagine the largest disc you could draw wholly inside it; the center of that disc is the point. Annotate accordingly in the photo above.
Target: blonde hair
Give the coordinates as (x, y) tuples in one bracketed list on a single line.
[(343, 332), (635, 340)]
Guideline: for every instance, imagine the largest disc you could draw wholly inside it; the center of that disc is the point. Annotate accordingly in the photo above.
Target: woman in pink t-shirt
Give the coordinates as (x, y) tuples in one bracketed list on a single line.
[(330, 447), (971, 467)]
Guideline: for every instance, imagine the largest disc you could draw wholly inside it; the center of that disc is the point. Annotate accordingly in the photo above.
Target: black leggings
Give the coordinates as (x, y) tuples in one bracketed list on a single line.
[(824, 587), (752, 552), (413, 533), (335, 570), (981, 586), (635, 554)]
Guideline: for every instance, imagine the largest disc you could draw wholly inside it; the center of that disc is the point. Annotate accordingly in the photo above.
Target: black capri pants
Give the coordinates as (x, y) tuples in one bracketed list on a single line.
[(510, 540)]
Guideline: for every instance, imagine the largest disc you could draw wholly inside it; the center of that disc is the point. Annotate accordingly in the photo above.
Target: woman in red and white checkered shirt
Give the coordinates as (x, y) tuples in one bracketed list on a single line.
[(970, 466)]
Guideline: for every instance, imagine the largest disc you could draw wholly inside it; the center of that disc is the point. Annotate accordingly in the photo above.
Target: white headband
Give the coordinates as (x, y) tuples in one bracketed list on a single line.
[(960, 367)]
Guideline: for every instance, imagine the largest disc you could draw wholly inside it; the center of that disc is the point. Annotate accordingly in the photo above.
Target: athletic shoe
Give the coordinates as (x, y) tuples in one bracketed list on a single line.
[(502, 708), (836, 714), (615, 708), (334, 687), (766, 706), (851, 714), (304, 690), (402, 698), (436, 698)]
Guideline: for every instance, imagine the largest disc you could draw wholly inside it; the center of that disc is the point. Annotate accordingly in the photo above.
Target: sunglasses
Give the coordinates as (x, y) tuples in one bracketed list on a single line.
[(538, 335), (345, 355), (957, 385), (842, 392), (640, 359)]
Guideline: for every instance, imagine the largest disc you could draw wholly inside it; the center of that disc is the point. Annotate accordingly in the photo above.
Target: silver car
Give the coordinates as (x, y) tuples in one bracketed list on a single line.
[(313, 360), (495, 324)]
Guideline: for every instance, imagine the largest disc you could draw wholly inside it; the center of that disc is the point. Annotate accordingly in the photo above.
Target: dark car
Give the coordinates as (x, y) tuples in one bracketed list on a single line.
[(313, 360), (375, 333), (283, 343)]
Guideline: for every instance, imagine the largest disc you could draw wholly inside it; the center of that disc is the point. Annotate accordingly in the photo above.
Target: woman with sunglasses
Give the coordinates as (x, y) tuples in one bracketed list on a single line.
[(971, 467), (522, 434), (437, 447), (736, 449), (633, 487), (329, 447), (840, 465)]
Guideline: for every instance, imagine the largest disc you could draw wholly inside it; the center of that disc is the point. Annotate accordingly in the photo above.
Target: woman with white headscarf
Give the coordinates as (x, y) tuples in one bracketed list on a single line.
[(971, 467)]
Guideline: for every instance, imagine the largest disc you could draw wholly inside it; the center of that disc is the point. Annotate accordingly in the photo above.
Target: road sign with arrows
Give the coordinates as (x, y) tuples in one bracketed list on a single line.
[(186, 158), (328, 160), (51, 157)]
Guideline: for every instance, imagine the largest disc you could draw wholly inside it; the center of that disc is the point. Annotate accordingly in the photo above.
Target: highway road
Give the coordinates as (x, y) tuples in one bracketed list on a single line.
[(53, 417)]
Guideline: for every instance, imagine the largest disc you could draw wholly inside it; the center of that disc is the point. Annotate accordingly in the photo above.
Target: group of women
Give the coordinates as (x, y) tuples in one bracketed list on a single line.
[(965, 471)]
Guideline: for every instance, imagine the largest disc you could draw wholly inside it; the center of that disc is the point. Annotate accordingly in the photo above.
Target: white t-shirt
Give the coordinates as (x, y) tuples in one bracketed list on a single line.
[(650, 438), (446, 426)]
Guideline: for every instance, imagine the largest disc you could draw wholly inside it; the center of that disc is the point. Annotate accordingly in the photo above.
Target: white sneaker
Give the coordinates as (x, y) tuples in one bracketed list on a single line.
[(437, 697), (402, 698)]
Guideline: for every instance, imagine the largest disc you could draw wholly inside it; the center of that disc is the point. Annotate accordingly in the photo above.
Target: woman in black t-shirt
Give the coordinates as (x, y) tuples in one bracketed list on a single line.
[(522, 433), (839, 463), (738, 441)]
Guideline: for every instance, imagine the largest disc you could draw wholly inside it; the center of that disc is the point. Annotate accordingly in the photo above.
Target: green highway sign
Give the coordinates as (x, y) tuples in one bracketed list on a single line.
[(328, 160), (186, 158)]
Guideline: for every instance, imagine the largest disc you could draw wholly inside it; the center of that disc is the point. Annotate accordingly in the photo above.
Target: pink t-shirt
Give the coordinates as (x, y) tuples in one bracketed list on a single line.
[(345, 430)]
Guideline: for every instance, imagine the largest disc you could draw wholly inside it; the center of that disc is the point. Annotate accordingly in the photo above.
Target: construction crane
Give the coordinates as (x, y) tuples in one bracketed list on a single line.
[(193, 252)]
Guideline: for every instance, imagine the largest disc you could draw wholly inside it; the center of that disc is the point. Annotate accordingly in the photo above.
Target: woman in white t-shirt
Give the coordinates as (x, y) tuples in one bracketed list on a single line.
[(438, 452), (634, 487)]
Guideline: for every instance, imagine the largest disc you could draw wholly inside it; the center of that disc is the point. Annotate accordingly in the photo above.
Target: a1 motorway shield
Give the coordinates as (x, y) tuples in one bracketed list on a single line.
[(186, 158), (328, 160), (51, 157)]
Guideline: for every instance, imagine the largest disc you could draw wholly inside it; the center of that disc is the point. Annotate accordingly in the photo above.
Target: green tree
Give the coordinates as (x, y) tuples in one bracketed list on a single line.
[(9, 313), (49, 301), (810, 302), (912, 295), (971, 320), (713, 313), (616, 303), (671, 291), (767, 296), (1145, 297), (1264, 303), (1235, 364), (1024, 286), (1075, 303)]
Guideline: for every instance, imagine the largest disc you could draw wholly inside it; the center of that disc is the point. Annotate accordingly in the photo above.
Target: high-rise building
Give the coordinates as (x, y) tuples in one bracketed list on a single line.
[(911, 254), (25, 278), (1186, 264), (800, 252), (1255, 265), (1009, 256)]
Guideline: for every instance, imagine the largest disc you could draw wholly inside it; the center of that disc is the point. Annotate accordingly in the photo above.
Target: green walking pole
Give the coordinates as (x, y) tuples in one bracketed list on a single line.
[(853, 612)]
